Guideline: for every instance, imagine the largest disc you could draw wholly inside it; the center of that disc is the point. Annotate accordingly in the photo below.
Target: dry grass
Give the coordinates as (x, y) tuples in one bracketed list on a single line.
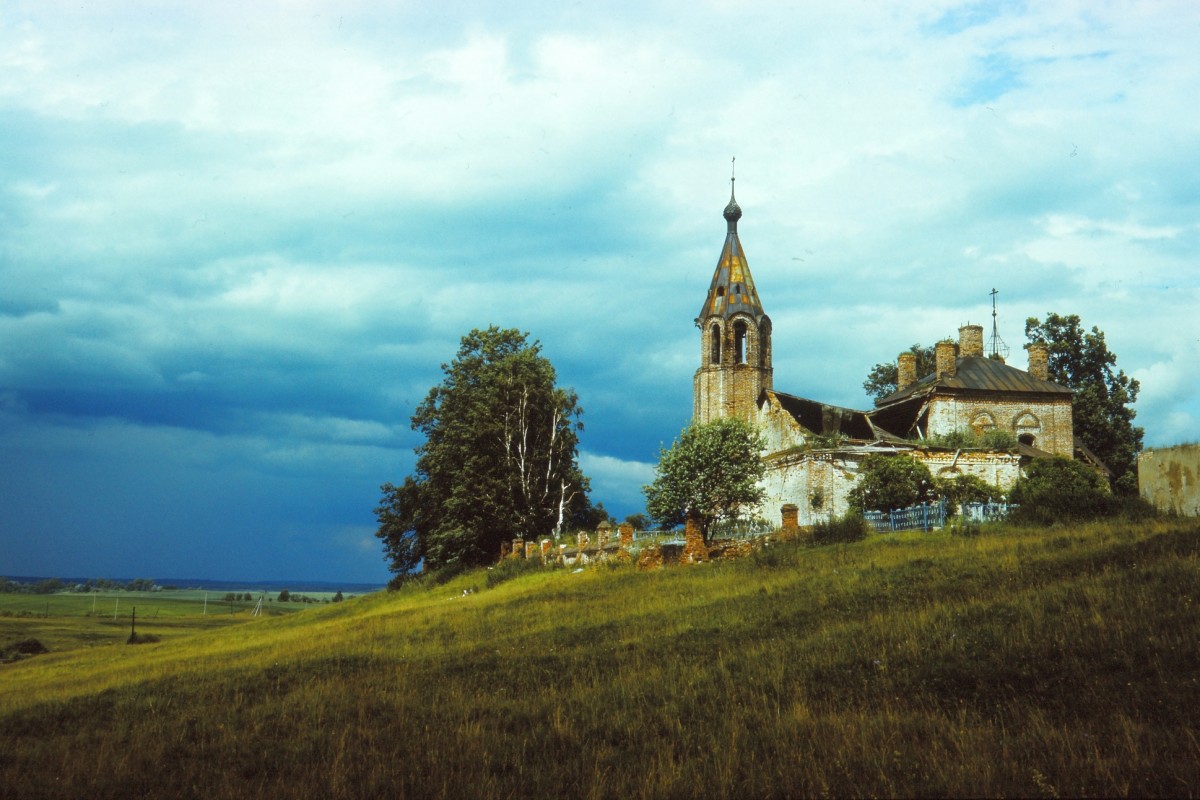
[(1017, 662)]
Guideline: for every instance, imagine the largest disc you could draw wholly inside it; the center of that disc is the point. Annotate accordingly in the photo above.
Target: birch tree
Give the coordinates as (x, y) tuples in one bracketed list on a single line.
[(500, 458)]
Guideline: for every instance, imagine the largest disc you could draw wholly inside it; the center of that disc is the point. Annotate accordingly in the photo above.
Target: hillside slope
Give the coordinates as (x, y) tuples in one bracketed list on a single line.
[(1033, 663)]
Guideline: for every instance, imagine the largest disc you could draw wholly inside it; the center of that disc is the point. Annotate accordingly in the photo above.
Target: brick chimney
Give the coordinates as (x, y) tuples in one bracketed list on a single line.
[(970, 341), (906, 371), (943, 354), (1039, 360)]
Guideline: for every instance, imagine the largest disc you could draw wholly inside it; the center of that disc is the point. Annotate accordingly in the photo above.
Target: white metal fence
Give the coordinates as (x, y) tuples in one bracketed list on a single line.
[(928, 516)]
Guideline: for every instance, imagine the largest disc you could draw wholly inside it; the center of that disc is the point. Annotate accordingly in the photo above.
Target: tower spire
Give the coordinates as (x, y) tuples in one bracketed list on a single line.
[(735, 364), (733, 212)]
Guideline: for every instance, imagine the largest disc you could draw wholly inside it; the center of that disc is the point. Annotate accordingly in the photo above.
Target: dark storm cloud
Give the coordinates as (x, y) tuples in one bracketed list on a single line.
[(236, 243)]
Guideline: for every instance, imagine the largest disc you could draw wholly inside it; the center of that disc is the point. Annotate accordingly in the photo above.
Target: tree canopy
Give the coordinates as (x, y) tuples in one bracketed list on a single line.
[(888, 482), (1103, 395), (712, 470), (965, 488), (883, 379), (1059, 490), (499, 458)]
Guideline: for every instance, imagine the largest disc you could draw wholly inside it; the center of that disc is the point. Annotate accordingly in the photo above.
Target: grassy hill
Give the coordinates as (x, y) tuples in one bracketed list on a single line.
[(1050, 663)]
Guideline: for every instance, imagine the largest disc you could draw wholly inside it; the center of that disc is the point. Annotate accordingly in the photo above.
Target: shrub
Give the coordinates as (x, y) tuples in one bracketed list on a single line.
[(991, 439), (964, 488), (849, 528), (444, 574), (1060, 490), (1133, 507), (955, 439), (776, 555), (142, 638), (890, 482), (510, 568), (965, 527), (998, 439)]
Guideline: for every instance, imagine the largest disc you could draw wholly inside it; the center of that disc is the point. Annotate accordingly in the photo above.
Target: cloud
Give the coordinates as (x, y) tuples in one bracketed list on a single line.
[(619, 480), (238, 241)]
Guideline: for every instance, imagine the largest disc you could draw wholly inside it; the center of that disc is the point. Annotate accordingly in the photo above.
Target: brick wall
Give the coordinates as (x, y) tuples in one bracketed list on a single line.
[(726, 388), (1169, 478), (818, 483), (996, 469), (728, 392), (1048, 421)]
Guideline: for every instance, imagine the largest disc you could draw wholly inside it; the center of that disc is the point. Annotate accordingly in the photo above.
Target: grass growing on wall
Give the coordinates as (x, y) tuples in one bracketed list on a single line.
[(1015, 662)]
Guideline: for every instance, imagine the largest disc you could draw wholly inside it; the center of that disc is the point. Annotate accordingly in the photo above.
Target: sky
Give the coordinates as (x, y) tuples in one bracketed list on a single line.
[(238, 240)]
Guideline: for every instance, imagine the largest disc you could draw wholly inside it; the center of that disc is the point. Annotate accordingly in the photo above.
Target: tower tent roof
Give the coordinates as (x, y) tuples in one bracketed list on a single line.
[(732, 289)]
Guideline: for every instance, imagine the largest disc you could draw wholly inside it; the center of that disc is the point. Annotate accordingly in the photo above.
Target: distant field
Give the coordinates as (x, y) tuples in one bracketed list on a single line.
[(1018, 662), (64, 621)]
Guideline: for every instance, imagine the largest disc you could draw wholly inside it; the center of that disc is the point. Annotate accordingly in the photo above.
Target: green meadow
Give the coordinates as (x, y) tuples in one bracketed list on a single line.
[(1046, 663), (65, 620)]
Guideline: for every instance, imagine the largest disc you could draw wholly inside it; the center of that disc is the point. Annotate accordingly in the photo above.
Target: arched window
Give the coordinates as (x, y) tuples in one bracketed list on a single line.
[(739, 342), (764, 343), (714, 337), (1027, 427), (982, 422)]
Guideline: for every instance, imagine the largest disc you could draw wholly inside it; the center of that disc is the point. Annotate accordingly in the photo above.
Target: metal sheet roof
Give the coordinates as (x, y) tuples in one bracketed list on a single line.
[(977, 374), (732, 288)]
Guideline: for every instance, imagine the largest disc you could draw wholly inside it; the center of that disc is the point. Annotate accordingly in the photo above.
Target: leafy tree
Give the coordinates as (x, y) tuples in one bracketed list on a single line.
[(284, 596), (337, 598), (883, 378), (589, 517), (712, 470), (48, 586), (499, 458), (889, 482), (1059, 490), (1103, 395), (639, 521), (964, 488)]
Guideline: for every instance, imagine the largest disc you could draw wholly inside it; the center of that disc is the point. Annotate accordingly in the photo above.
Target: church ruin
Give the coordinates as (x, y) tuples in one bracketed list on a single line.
[(814, 449)]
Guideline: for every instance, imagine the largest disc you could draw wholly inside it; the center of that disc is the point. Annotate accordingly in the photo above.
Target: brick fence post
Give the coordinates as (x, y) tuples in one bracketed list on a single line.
[(791, 519), (603, 531), (694, 548)]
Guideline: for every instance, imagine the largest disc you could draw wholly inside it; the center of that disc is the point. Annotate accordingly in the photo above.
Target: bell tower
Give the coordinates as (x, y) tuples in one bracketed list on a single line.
[(735, 335)]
